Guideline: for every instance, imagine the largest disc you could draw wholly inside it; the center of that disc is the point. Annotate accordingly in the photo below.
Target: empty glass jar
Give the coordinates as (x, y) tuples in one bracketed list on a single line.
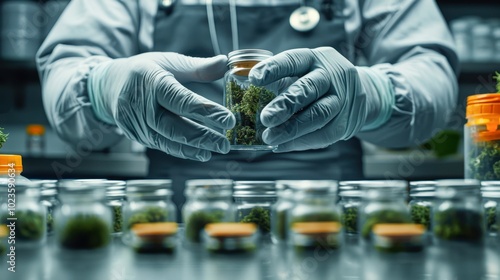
[(208, 201), (246, 100), (280, 211)]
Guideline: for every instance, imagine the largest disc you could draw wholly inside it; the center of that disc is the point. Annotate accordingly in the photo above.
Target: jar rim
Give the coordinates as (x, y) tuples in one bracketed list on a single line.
[(247, 55), (369, 184), (423, 195), (351, 194), (419, 184)]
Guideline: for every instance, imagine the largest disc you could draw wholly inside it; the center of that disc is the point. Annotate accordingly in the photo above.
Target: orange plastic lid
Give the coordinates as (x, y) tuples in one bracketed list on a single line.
[(483, 104), (155, 229), (230, 229), (316, 227), (398, 230), (35, 129), (7, 160), (3, 231)]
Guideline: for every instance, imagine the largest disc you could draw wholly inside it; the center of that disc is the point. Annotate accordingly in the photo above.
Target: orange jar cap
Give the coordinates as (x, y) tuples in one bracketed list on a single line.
[(7, 160), (35, 129), (398, 230), (483, 104), (230, 229), (316, 227), (155, 229)]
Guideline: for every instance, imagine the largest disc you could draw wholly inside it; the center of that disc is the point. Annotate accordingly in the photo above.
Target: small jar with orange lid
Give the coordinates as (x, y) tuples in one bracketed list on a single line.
[(35, 141), (482, 137), (246, 100)]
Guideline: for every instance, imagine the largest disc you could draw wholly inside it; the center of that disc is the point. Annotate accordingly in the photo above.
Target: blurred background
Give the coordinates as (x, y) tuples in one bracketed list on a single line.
[(24, 25)]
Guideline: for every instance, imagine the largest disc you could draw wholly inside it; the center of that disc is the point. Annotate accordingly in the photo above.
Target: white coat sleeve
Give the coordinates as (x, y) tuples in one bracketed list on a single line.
[(88, 32), (409, 42)]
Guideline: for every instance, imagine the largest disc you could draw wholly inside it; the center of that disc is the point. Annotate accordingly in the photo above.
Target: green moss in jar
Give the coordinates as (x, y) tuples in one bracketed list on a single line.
[(421, 214), (246, 104), (85, 232), (382, 216), (197, 221), (317, 217), (261, 217), (30, 225), (492, 220), (153, 214), (349, 219), (458, 224)]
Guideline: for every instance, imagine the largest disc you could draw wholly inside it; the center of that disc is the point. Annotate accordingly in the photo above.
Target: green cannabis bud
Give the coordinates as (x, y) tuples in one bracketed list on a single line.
[(3, 137), (148, 215), (349, 219), (421, 214), (458, 224), (382, 216), (197, 221), (484, 163), (85, 232), (492, 224), (117, 218), (261, 217), (30, 225)]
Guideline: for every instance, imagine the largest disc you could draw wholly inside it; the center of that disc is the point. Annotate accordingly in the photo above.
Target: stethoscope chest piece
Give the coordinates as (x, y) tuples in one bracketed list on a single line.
[(304, 19)]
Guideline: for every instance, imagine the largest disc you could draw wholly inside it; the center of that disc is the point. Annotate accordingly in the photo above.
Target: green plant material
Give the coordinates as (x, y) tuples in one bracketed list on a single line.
[(492, 224), (458, 224), (50, 222), (197, 221), (484, 161), (85, 232), (382, 216), (317, 217), (246, 104), (497, 78), (30, 225), (153, 214), (421, 214), (349, 219), (259, 216), (237, 246), (117, 218), (280, 230), (3, 137)]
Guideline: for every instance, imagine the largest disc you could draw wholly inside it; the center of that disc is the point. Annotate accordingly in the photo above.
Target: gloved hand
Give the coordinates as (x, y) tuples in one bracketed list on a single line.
[(329, 102), (144, 97)]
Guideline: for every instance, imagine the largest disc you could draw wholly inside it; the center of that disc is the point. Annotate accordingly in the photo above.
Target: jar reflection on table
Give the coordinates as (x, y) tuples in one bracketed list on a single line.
[(490, 191), (280, 212)]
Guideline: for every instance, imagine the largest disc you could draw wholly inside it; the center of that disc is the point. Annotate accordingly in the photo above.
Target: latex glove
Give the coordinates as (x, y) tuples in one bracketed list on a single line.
[(144, 97), (326, 104)]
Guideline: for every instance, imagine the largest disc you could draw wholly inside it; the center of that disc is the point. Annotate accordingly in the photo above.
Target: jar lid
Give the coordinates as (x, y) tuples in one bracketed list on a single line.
[(374, 184), (491, 194), (24, 186), (81, 187), (454, 187), (35, 130), (118, 194), (490, 185), (423, 195), (7, 160), (483, 104), (49, 192), (248, 55), (351, 194), (209, 187), (149, 188), (254, 189), (419, 184), (307, 188)]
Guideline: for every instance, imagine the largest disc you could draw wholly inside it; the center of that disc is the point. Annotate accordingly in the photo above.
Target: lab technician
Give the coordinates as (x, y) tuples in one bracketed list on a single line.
[(151, 71)]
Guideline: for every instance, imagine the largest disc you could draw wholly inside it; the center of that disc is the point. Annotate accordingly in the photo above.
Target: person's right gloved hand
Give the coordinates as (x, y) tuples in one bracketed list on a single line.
[(144, 97)]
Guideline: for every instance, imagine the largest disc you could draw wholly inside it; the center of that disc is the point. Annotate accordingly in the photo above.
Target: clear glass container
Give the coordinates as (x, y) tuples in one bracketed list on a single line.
[(253, 201), (24, 213), (482, 137), (83, 221), (395, 238), (115, 200), (421, 186), (280, 211), (35, 139), (207, 201), (350, 201), (491, 203), (148, 202), (246, 100), (314, 219), (231, 237), (458, 211), (50, 199), (421, 207), (384, 202)]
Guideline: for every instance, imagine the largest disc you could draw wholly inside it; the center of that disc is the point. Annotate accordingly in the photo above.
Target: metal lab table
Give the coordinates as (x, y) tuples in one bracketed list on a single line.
[(440, 262)]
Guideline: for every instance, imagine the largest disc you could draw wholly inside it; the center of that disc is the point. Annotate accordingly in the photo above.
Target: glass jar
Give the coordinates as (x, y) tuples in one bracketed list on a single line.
[(458, 211), (148, 202), (231, 237), (246, 100), (83, 221), (115, 200), (314, 219), (491, 203), (482, 137), (384, 202), (207, 201), (280, 211), (25, 214), (421, 207), (349, 203), (35, 139), (420, 187), (253, 200), (50, 199)]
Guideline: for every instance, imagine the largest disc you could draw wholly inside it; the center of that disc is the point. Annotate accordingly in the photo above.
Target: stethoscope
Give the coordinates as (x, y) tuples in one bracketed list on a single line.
[(303, 19)]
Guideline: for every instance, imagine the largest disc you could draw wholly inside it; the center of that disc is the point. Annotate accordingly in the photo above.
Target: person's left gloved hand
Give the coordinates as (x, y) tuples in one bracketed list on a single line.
[(326, 104)]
